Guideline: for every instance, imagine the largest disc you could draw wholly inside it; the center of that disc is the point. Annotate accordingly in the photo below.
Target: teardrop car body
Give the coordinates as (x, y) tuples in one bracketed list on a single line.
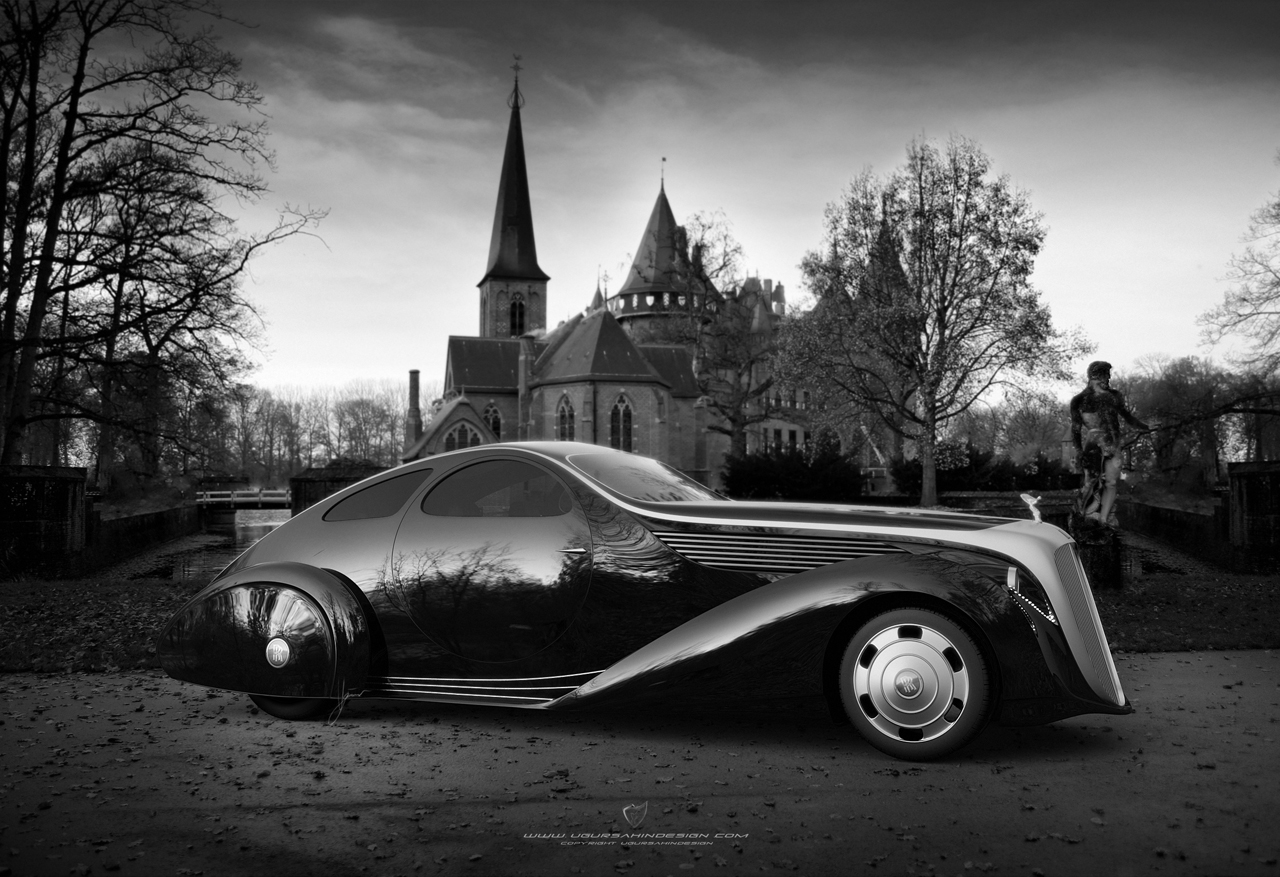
[(563, 576)]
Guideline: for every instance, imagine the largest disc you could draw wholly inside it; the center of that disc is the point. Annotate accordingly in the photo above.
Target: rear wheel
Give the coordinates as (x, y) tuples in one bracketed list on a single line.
[(294, 707), (915, 684)]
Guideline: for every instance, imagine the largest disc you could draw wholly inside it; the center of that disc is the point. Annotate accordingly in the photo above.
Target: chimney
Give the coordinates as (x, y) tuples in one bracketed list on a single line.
[(413, 419)]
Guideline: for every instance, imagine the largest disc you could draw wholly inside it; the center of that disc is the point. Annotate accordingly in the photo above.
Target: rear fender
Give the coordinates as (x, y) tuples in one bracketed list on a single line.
[(220, 637)]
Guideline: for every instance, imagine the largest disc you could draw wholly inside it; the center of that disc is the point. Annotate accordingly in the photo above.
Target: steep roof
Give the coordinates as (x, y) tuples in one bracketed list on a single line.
[(595, 349), (482, 364), (658, 256), (674, 364), (457, 410), (512, 251)]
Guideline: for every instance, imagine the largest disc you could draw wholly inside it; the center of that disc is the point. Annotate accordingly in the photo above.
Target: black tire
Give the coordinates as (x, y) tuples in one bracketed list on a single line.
[(294, 708), (915, 684)]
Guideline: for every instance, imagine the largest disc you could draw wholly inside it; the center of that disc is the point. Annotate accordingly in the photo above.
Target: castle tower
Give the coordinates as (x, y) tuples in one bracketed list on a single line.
[(663, 280), (513, 291)]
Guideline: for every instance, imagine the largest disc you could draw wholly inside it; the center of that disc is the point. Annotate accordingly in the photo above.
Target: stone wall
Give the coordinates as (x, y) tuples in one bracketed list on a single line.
[(117, 539), (47, 531), (42, 517), (1205, 536)]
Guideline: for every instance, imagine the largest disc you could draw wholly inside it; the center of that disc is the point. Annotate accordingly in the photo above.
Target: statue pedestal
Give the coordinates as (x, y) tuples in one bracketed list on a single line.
[(1101, 552)]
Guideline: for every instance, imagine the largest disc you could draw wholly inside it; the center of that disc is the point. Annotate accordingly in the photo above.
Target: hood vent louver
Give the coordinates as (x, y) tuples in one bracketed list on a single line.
[(768, 553)]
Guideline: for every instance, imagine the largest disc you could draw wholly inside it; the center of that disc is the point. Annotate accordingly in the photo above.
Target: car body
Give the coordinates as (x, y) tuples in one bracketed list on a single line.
[(562, 575)]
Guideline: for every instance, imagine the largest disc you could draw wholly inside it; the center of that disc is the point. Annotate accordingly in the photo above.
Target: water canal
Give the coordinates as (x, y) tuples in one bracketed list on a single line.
[(197, 559)]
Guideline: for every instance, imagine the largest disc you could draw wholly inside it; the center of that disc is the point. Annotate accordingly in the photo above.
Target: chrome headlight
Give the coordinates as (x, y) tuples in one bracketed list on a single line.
[(1030, 594)]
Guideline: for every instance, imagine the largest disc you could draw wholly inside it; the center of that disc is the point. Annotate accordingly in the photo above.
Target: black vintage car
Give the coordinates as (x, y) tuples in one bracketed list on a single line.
[(560, 576)]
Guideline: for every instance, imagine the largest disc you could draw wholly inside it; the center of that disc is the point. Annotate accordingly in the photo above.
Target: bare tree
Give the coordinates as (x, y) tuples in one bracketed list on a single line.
[(112, 113), (924, 296), (1251, 307)]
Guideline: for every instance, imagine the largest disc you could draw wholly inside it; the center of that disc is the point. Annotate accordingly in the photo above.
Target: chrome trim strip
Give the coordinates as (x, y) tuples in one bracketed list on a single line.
[(479, 688), (509, 699), (480, 681), (513, 691)]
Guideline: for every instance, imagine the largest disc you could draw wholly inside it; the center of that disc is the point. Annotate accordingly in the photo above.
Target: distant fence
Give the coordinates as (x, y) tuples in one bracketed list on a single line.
[(245, 499)]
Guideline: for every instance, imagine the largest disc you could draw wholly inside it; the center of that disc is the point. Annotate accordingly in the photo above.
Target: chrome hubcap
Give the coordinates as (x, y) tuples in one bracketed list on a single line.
[(911, 683)]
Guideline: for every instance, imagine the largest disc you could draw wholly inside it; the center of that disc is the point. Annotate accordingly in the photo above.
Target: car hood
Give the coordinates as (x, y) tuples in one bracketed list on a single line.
[(815, 515)]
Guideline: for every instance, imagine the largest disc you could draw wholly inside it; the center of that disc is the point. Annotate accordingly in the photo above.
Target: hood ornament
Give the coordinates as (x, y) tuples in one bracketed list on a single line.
[(1031, 504)]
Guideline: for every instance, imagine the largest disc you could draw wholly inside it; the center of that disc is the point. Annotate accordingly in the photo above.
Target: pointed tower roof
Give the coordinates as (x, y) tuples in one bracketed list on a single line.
[(512, 251), (658, 256)]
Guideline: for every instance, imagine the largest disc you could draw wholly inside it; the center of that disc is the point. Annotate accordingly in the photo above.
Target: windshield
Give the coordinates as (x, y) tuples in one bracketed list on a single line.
[(641, 478)]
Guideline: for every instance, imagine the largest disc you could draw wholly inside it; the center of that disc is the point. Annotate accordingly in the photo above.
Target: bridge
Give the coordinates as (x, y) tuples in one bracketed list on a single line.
[(245, 499)]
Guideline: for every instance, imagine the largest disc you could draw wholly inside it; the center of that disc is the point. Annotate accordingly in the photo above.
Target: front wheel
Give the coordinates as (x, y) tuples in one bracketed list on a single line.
[(295, 708), (915, 684)]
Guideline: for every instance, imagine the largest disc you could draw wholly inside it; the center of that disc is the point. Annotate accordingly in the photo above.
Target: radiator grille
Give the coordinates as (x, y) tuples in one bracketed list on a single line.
[(770, 553), (1085, 612)]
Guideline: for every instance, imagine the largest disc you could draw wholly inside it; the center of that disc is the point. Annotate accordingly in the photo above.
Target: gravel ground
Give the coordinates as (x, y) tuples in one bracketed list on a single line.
[(1173, 602), (122, 770), (134, 773)]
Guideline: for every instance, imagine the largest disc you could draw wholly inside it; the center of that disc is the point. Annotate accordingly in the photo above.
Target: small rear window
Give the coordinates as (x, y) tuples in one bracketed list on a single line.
[(381, 500), (642, 478)]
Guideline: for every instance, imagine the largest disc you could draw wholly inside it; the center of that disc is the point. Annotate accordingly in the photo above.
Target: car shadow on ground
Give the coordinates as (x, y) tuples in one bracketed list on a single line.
[(799, 724)]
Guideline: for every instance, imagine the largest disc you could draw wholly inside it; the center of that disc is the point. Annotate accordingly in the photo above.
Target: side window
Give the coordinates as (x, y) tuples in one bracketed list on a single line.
[(380, 500), (499, 489)]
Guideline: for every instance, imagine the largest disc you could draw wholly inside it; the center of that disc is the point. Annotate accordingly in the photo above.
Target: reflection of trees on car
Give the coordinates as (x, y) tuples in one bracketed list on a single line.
[(437, 587), (463, 599)]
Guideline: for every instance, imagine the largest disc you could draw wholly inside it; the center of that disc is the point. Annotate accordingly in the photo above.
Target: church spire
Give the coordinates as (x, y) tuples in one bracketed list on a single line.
[(513, 255)]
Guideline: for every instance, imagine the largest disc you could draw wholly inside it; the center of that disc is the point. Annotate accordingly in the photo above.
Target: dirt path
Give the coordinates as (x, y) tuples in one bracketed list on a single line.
[(133, 773)]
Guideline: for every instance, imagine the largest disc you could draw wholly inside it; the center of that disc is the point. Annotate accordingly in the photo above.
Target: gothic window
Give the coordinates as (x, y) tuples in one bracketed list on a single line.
[(461, 436), (493, 420), (517, 315), (564, 420), (620, 425)]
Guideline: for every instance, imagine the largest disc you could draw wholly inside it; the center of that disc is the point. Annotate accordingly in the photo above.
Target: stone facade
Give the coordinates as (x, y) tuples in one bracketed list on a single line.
[(587, 379)]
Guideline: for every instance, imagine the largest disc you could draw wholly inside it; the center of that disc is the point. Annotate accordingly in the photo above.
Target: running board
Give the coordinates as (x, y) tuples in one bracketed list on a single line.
[(519, 691)]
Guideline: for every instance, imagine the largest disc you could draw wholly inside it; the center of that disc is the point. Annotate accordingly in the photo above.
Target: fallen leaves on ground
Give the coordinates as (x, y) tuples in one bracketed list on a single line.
[(94, 625)]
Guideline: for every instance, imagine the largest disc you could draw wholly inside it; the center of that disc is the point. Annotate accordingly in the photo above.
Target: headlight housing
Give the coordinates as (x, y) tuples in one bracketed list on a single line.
[(1030, 595)]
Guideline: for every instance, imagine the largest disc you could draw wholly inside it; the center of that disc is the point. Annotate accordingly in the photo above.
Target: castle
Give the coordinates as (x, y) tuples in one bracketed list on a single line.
[(593, 378)]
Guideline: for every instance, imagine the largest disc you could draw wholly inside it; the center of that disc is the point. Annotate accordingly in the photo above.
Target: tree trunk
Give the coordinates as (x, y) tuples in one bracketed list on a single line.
[(928, 469), (928, 448), (29, 350)]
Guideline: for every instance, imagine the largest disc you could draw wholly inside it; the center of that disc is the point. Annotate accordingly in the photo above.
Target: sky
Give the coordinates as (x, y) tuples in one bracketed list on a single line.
[(1145, 133)]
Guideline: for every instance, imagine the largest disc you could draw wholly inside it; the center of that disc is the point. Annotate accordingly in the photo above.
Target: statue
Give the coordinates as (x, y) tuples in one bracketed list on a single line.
[(1095, 431)]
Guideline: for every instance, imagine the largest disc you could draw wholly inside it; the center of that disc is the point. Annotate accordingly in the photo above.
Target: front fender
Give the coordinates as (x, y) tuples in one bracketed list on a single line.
[(219, 638), (773, 640)]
